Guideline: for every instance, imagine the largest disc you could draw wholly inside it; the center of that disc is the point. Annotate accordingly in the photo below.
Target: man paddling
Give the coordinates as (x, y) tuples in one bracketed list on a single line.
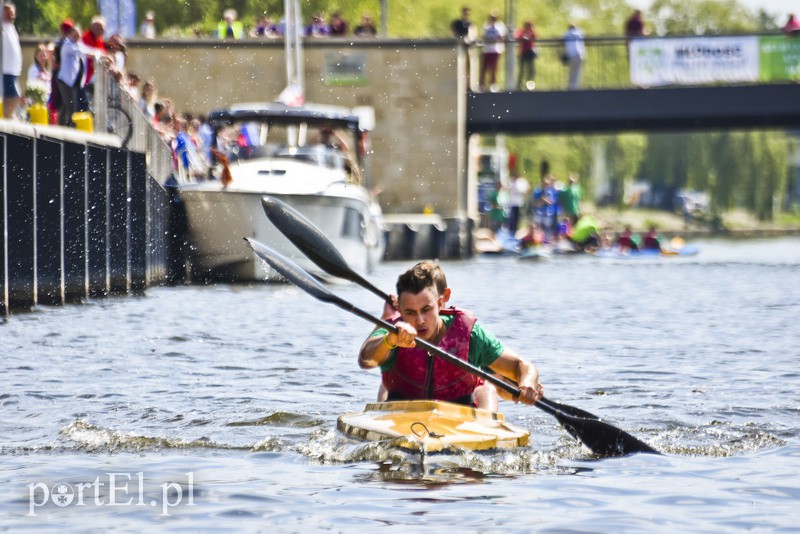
[(411, 373)]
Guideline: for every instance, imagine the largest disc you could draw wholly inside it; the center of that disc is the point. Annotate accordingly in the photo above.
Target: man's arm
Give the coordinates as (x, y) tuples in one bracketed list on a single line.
[(510, 365), (377, 348)]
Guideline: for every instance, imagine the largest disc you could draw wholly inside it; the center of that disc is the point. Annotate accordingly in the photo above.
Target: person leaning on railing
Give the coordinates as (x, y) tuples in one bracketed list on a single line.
[(792, 26), (73, 54)]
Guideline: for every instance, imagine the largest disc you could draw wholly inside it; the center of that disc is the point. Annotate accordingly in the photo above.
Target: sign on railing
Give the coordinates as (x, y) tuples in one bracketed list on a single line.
[(707, 60)]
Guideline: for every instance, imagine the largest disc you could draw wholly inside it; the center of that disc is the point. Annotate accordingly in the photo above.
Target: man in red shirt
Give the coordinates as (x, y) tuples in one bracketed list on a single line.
[(93, 38)]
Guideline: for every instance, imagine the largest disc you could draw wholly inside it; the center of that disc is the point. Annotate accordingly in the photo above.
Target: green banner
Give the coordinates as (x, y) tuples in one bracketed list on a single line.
[(779, 58)]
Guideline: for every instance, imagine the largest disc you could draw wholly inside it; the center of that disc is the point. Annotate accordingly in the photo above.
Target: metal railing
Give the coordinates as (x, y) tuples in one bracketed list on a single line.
[(605, 66), (117, 113)]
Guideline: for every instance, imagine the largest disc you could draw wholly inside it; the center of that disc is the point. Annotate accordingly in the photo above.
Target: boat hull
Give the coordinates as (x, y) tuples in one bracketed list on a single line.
[(219, 220), (432, 426)]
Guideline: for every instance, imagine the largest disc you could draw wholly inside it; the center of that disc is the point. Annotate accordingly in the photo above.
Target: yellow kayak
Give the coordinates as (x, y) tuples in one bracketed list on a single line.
[(433, 426)]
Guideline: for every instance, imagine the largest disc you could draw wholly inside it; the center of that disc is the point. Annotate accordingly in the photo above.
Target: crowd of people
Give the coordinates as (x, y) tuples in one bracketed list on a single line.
[(62, 74), (61, 79), (266, 27), (494, 35), (553, 213)]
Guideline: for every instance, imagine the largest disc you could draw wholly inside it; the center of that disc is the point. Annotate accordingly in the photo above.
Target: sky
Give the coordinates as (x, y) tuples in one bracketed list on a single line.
[(781, 8)]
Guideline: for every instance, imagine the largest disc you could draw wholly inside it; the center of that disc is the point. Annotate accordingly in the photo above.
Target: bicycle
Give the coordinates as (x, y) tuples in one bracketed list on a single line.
[(118, 121)]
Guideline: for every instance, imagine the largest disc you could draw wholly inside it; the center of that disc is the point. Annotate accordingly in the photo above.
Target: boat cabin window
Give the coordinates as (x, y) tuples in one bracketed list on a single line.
[(322, 156)]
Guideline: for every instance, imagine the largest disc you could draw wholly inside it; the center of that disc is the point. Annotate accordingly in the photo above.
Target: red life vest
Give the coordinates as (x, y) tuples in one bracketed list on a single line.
[(417, 375), (650, 242)]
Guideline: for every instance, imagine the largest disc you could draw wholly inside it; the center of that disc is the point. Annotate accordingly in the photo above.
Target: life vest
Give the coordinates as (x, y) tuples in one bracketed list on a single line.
[(650, 242), (625, 241), (418, 375)]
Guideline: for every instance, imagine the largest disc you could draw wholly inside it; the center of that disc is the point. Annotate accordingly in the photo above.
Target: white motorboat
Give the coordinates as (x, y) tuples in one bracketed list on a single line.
[(299, 155)]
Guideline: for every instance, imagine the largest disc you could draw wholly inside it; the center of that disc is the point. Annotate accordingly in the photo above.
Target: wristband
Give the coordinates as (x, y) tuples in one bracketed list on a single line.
[(386, 342)]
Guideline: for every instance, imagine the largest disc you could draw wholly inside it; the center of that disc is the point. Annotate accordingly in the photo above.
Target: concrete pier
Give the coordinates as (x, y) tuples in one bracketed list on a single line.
[(79, 217)]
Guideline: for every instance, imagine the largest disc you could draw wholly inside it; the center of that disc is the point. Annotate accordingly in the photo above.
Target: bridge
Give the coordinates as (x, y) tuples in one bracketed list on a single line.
[(616, 110), (698, 83)]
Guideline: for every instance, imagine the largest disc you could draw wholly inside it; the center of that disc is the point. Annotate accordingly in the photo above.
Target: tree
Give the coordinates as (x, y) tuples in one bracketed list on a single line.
[(702, 17)]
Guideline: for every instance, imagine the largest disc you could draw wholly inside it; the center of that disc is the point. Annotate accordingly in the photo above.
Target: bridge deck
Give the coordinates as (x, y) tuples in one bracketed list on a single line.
[(684, 108)]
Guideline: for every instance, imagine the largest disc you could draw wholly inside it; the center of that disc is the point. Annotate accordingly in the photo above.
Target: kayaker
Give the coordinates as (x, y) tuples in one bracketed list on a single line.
[(410, 373), (585, 235), (534, 237), (650, 240), (625, 241)]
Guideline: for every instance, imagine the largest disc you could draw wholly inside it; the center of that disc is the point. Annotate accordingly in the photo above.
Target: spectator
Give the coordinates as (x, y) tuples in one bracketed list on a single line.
[(148, 28), (93, 39), (41, 70), (12, 63), (366, 28), (494, 35), (526, 37), (569, 199), (54, 104), (229, 27), (462, 28), (132, 87), (205, 137), (497, 211), (317, 27), (118, 51), (792, 26), (574, 52), (264, 28), (634, 26), (148, 99), (518, 191), (338, 26), (70, 74)]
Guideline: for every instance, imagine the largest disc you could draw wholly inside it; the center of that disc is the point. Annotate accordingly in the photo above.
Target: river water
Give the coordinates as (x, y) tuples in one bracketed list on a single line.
[(214, 408)]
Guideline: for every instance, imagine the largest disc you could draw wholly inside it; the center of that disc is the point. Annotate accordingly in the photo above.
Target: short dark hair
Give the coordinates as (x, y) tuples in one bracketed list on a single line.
[(423, 275)]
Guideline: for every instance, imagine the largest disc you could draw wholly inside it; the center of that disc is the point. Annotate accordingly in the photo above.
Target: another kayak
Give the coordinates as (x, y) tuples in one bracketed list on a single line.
[(433, 426), (536, 253), (630, 254)]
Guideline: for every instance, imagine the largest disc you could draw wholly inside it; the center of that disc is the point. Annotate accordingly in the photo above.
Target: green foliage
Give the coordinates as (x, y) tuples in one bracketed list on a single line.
[(702, 17)]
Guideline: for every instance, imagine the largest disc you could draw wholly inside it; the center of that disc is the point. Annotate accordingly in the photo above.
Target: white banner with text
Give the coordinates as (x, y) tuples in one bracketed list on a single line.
[(694, 61)]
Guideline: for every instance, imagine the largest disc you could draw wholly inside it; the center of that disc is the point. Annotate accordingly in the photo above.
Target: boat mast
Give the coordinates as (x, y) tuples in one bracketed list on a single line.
[(294, 49)]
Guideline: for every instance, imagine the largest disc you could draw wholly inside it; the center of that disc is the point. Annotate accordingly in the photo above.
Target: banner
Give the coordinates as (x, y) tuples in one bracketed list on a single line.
[(780, 58), (694, 61)]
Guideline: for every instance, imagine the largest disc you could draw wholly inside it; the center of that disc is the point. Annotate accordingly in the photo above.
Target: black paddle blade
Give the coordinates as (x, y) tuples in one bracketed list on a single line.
[(601, 438), (289, 270), (305, 236), (313, 243)]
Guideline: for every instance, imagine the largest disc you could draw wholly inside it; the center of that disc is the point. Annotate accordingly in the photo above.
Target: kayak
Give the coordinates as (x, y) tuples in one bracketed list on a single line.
[(631, 254), (432, 426), (536, 253)]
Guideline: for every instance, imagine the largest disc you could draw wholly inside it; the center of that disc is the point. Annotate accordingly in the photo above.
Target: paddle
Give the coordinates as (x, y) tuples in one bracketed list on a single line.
[(601, 438), (319, 249), (313, 243)]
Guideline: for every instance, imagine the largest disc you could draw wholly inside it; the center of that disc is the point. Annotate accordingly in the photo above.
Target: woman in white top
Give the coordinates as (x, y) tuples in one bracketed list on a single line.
[(40, 72)]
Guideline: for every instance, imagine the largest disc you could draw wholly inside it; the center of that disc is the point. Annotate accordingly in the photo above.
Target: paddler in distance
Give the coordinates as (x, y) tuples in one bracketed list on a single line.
[(410, 373)]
